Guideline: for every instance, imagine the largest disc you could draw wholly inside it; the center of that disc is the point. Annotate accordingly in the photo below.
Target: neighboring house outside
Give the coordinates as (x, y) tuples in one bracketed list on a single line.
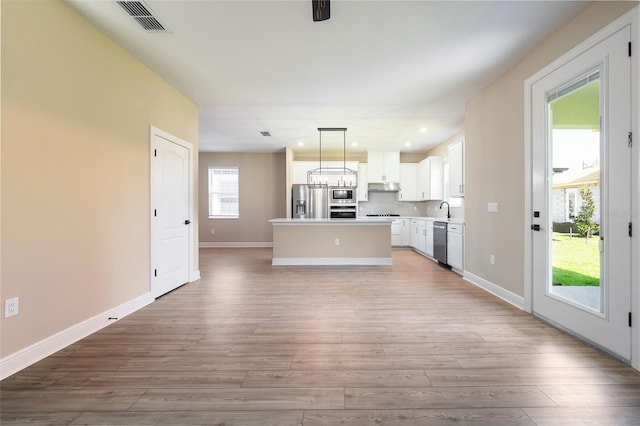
[(565, 196)]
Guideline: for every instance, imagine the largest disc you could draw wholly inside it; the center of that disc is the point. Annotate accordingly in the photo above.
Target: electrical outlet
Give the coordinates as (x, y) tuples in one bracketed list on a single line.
[(337, 242), (213, 231), (11, 307), (492, 259)]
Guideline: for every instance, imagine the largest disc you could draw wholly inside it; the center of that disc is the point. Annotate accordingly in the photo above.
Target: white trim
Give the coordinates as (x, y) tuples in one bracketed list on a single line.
[(17, 361), (193, 236), (635, 187), (496, 290), (319, 261), (631, 18), (207, 244)]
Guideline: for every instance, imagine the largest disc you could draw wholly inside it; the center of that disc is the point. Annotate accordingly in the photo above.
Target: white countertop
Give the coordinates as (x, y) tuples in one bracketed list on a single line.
[(456, 220), (358, 221)]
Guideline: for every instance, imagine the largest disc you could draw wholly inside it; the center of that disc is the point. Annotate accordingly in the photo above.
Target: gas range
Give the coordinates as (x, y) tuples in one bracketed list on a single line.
[(384, 215)]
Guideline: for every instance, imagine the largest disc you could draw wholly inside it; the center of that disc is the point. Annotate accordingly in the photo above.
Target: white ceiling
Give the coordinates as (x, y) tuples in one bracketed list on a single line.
[(382, 69)]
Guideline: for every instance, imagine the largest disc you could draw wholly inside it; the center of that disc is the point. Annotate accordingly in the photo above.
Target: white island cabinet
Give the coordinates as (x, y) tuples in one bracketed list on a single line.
[(383, 167)]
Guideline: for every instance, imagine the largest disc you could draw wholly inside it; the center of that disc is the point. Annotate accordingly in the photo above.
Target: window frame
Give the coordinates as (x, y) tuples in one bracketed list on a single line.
[(217, 192)]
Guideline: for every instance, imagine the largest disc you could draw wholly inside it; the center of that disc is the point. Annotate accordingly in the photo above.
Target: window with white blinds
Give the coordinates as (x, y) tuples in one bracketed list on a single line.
[(223, 193)]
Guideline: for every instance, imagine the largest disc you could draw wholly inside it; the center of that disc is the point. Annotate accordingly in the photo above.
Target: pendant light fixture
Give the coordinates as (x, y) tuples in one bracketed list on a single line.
[(321, 10)]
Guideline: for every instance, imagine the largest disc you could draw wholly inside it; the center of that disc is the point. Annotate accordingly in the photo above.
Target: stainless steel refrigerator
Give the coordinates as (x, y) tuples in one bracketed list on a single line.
[(309, 201)]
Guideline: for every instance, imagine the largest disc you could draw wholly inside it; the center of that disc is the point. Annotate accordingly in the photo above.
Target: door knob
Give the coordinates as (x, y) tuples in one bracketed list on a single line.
[(186, 222), (535, 227)]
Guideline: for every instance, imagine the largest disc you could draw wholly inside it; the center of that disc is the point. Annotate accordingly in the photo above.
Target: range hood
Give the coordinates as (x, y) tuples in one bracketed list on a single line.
[(384, 187)]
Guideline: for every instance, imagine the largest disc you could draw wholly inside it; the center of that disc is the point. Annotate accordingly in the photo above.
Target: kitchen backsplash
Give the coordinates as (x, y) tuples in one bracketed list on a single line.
[(387, 203)]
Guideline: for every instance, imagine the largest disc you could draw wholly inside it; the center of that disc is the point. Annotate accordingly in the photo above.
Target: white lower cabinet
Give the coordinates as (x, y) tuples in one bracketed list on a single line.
[(406, 232), (396, 232), (455, 247), (429, 238), (418, 235)]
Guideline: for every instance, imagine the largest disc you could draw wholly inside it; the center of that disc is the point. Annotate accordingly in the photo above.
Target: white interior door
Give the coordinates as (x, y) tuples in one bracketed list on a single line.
[(170, 219), (581, 181)]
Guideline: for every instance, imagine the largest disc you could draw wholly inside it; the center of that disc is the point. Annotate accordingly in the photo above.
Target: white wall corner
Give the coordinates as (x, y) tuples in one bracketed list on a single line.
[(17, 361), (496, 290)]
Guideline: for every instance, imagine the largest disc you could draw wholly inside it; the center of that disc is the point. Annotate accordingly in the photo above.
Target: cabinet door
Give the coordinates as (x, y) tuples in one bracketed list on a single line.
[(363, 183), (383, 166), (456, 169), (392, 166), (414, 228), (422, 239), (430, 179), (299, 171), (408, 182), (455, 250), (406, 232), (429, 242), (375, 166), (396, 232)]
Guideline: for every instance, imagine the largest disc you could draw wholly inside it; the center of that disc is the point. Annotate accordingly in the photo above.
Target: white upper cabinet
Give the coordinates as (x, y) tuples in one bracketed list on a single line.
[(456, 169), (363, 187), (300, 169), (383, 167), (408, 182), (430, 179)]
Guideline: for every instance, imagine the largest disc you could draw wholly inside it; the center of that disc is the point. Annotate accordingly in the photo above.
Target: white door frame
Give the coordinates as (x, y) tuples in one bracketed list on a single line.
[(631, 18), (194, 274)]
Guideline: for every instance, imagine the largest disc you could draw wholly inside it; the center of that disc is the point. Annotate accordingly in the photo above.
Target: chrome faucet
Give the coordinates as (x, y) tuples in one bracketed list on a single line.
[(448, 211)]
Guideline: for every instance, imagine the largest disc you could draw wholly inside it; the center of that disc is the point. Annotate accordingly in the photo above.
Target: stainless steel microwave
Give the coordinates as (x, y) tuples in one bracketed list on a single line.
[(342, 195)]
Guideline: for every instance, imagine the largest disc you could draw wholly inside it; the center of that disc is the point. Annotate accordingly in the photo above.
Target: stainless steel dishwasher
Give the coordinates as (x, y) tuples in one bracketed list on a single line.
[(440, 242)]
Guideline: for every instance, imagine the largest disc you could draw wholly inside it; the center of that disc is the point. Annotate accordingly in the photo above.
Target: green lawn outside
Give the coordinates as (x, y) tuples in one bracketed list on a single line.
[(575, 263)]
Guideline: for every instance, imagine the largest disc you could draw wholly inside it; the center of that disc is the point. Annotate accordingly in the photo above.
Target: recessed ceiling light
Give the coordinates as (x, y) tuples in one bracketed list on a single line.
[(300, 143), (407, 144), (423, 129), (354, 143)]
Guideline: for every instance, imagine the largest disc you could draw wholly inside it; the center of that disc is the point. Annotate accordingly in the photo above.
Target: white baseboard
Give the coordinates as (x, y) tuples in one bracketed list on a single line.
[(17, 361), (318, 261), (496, 290), (235, 244)]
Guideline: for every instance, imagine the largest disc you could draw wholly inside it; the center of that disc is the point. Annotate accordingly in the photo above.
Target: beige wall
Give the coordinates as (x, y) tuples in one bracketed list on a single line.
[(494, 134), (442, 150), (262, 197), (76, 116)]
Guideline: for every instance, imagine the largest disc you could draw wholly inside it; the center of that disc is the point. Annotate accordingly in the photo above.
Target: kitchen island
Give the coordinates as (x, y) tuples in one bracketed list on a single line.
[(362, 241)]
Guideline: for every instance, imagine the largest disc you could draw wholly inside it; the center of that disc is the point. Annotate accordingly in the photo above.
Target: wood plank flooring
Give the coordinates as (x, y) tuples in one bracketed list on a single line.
[(254, 344)]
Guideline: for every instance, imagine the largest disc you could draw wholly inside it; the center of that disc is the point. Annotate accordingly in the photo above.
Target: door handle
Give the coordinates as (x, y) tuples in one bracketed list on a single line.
[(535, 227), (187, 222)]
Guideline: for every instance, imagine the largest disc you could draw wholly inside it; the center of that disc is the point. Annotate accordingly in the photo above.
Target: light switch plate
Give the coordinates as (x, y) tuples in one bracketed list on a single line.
[(492, 207)]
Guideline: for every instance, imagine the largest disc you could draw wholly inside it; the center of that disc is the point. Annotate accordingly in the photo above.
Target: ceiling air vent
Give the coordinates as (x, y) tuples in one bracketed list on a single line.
[(265, 133), (142, 15)]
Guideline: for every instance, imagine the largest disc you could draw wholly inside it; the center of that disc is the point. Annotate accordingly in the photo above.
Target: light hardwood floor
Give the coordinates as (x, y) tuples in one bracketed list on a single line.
[(253, 344)]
